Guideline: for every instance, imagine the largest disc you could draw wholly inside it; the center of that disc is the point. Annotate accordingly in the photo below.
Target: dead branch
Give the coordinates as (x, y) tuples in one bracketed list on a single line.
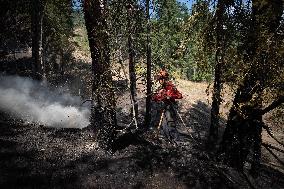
[(274, 155), (87, 100), (273, 105), (267, 128), (272, 147)]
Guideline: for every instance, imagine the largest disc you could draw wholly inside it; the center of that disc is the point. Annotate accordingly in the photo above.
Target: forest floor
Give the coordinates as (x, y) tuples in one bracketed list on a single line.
[(33, 156)]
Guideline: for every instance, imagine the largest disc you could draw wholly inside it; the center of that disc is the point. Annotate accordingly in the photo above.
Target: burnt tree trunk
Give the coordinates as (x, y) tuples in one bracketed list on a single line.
[(62, 63), (37, 49), (244, 126), (103, 113), (149, 67), (132, 74), (216, 97)]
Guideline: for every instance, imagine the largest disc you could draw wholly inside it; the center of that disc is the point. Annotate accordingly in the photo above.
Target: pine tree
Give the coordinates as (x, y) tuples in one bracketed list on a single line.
[(37, 49)]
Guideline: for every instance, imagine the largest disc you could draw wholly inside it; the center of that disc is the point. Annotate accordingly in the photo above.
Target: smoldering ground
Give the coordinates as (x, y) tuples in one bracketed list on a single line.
[(36, 102), (36, 157)]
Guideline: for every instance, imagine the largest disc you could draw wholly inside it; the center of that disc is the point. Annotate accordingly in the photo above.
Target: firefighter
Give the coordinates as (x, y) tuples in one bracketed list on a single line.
[(167, 95)]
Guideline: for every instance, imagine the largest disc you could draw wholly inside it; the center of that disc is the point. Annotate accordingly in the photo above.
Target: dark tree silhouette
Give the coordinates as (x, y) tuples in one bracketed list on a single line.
[(37, 31), (149, 79), (219, 56), (132, 74), (244, 126)]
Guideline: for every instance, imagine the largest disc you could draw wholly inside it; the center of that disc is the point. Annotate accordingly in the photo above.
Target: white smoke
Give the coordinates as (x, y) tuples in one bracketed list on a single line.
[(34, 102)]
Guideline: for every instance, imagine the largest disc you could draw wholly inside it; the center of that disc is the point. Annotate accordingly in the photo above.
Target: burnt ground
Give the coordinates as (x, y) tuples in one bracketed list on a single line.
[(32, 156)]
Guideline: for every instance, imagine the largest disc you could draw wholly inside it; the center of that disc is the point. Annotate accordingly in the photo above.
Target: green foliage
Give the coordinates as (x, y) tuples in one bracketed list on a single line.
[(15, 24), (167, 33), (80, 37), (127, 17), (58, 30), (178, 39), (15, 17), (199, 48)]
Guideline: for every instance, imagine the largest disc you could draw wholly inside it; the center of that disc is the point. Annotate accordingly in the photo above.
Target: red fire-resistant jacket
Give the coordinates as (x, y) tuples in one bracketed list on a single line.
[(167, 94)]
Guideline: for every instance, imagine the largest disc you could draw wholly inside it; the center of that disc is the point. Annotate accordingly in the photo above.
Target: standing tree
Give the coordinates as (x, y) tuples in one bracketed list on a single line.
[(58, 29), (149, 66), (103, 115), (198, 54), (132, 74), (263, 55), (219, 59), (37, 18)]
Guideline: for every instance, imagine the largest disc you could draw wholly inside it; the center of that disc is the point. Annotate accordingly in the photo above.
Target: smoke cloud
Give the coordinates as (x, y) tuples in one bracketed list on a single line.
[(34, 102)]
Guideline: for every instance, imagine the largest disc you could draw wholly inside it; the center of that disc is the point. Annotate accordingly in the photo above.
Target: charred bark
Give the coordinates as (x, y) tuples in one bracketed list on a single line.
[(244, 126), (132, 73), (103, 113), (149, 65), (216, 97), (37, 49)]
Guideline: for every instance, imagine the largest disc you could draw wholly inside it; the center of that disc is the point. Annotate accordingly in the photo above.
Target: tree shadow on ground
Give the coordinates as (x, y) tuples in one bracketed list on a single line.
[(54, 158), (197, 119), (193, 125), (16, 162)]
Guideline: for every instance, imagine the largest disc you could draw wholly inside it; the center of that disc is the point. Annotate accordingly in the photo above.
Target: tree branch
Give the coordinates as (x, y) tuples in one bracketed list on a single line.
[(272, 147), (274, 155), (273, 105), (87, 100), (270, 134)]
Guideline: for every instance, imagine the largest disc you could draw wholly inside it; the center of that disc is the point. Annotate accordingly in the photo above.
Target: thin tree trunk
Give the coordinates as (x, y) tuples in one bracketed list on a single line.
[(132, 74), (37, 49), (62, 62), (149, 79), (216, 97), (103, 113)]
